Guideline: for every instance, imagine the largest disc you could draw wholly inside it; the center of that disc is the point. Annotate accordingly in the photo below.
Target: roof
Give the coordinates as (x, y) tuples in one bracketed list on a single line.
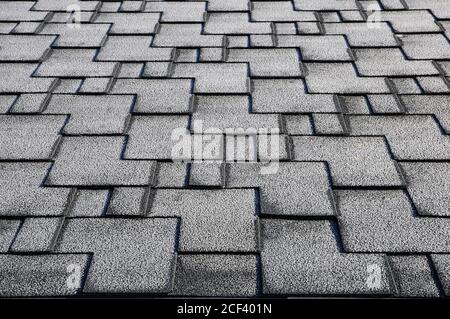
[(225, 148)]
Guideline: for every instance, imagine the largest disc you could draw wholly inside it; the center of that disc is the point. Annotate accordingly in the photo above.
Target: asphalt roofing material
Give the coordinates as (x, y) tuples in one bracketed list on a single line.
[(343, 104)]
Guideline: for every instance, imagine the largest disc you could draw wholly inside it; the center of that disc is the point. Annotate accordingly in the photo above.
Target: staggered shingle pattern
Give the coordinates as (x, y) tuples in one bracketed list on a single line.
[(92, 203)]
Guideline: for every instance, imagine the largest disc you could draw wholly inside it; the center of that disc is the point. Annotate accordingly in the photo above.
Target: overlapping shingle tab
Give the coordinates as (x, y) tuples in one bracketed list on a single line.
[(98, 98)]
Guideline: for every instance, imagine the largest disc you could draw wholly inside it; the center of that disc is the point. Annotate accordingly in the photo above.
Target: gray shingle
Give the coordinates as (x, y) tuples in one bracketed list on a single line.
[(234, 23), (442, 263), (288, 96), (89, 203), (327, 78), (171, 174), (96, 85), (404, 85), (30, 103), (211, 220), (315, 48), (414, 276), (185, 35), (136, 48), (329, 124), (433, 84), (88, 35), (358, 34), (439, 7), (302, 257), (150, 137), (15, 132), (61, 5), (109, 116), (129, 201), (178, 11), (230, 5), (354, 161), (268, 62), (324, 5), (130, 23), (428, 185), (214, 77), (25, 48), (426, 46), (96, 161), (215, 275), (39, 275), (23, 194), (68, 63), (298, 124), (129, 255), (20, 11), (6, 102), (413, 137), (157, 96), (384, 221), (405, 21), (307, 194), (279, 11), (36, 235), (8, 230), (20, 80), (384, 103), (429, 104), (207, 174)]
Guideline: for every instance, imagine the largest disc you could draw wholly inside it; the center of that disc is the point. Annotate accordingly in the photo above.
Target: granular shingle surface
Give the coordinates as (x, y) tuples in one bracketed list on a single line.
[(224, 148)]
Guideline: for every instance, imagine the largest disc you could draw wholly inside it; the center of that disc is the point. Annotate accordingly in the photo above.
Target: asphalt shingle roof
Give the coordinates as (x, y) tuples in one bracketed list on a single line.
[(95, 94)]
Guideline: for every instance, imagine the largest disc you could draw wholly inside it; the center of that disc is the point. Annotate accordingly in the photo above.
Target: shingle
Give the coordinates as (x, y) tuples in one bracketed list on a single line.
[(384, 103), (329, 124), (234, 23), (412, 137), (351, 16), (132, 6), (405, 85), (372, 62), (131, 49), (230, 112), (130, 23), (95, 161), (302, 258), (70, 18), (324, 5), (89, 203), (20, 11), (36, 235), (151, 137), (238, 41), (358, 34), (433, 84), (392, 4), (211, 54), (327, 78), (6, 102), (315, 48), (171, 174), (414, 276), (110, 114), (157, 96), (30, 103), (354, 104), (88, 35), (20, 80), (288, 96), (428, 185), (8, 230), (279, 11), (129, 255), (185, 35), (68, 86), (207, 174), (132, 70), (6, 27), (96, 85), (384, 221), (68, 63), (110, 6), (329, 16), (156, 69), (28, 28), (178, 11), (442, 264), (307, 194), (353, 161), (439, 7), (129, 201), (186, 55), (230, 5), (425, 46), (211, 220), (261, 40), (216, 275), (307, 28), (40, 275), (62, 5), (15, 132), (268, 62), (23, 194), (405, 21), (298, 124), (214, 77)]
